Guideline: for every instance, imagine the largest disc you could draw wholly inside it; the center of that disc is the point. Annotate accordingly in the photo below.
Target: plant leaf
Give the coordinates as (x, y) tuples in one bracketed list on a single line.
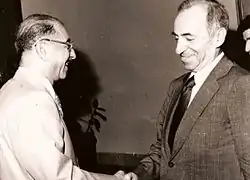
[(97, 124), (104, 118), (101, 109)]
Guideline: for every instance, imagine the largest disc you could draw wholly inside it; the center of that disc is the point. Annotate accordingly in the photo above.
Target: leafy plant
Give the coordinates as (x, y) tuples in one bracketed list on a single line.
[(96, 116)]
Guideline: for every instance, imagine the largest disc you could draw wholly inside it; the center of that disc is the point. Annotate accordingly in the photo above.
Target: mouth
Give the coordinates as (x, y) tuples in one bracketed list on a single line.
[(67, 63), (185, 56)]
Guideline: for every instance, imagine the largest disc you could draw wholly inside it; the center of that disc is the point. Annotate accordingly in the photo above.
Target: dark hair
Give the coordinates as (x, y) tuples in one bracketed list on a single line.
[(216, 12), (32, 28), (244, 25)]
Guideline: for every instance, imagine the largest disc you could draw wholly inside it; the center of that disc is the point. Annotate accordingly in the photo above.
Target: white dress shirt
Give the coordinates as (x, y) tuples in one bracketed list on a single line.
[(201, 75)]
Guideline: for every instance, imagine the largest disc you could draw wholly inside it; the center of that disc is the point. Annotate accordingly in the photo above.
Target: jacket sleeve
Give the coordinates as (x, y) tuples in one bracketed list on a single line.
[(239, 118), (39, 146), (149, 167)]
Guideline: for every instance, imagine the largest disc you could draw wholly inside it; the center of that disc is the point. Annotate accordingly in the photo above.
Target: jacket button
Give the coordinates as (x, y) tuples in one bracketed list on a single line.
[(170, 164)]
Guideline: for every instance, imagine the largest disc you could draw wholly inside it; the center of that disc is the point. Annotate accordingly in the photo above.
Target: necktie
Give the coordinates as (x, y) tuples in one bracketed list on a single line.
[(59, 106), (68, 147), (180, 109)]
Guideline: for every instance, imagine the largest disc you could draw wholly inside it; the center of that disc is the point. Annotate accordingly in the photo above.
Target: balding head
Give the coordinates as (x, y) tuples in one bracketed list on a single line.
[(33, 28)]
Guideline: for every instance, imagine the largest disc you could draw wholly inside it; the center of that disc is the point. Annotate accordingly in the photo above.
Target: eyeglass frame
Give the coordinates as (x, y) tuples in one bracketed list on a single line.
[(68, 44)]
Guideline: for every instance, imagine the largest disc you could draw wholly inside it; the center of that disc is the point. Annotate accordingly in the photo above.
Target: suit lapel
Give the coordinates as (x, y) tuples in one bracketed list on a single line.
[(199, 103), (175, 93)]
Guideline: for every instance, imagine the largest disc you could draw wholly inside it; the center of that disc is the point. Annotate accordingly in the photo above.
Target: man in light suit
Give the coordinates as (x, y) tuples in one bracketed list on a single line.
[(34, 141), (209, 138)]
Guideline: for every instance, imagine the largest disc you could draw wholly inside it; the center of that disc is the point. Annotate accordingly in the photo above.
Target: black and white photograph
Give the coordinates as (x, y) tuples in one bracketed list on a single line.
[(125, 90)]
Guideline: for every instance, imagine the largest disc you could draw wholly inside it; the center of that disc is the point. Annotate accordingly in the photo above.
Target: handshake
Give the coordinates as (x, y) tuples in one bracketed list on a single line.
[(122, 176)]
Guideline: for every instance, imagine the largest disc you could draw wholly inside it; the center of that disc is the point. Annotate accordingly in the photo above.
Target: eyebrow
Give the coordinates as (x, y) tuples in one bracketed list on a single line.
[(184, 34)]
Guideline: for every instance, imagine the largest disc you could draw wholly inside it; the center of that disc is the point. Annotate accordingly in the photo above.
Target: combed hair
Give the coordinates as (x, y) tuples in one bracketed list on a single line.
[(216, 12), (32, 28)]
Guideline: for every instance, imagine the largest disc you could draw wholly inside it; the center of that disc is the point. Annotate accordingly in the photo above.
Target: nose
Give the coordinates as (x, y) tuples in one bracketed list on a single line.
[(180, 46), (72, 54)]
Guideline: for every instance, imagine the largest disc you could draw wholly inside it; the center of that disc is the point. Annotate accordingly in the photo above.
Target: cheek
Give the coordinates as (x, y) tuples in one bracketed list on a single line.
[(191, 62), (63, 58), (200, 46), (202, 51)]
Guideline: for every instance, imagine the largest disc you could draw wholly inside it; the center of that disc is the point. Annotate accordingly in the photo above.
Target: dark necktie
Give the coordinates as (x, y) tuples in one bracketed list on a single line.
[(180, 109)]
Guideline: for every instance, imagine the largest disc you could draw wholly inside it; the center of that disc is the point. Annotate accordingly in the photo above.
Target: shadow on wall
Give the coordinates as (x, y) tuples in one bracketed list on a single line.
[(77, 92), (234, 48)]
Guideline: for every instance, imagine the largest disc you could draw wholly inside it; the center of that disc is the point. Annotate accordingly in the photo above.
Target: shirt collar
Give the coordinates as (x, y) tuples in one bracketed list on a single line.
[(35, 79)]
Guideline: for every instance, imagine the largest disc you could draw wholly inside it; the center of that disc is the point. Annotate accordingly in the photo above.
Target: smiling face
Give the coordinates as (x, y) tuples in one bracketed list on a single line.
[(60, 54), (195, 44)]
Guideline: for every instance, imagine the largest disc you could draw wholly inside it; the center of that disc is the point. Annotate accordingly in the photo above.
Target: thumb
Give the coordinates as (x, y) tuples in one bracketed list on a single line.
[(119, 174)]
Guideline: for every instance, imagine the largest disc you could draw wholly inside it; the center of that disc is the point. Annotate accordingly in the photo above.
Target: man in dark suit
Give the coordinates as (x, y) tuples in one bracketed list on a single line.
[(204, 124)]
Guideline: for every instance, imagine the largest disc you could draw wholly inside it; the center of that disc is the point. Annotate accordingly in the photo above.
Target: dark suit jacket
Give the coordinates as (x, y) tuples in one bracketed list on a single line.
[(213, 139)]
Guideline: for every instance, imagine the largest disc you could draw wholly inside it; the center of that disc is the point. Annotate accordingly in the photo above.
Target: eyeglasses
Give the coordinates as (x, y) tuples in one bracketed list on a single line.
[(68, 44)]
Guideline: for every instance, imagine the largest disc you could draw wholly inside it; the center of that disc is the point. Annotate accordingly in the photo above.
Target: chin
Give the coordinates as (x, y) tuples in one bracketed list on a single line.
[(188, 67), (63, 73), (63, 76)]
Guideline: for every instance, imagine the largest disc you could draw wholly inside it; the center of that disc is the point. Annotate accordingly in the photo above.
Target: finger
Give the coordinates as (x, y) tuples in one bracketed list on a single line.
[(130, 176), (134, 176)]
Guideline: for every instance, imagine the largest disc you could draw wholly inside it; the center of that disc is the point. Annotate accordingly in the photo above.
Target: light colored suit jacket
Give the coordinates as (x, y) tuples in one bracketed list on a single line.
[(34, 141), (213, 139)]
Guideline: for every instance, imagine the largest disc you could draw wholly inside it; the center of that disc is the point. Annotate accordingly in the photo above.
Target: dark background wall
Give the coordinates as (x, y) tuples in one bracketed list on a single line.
[(130, 44), (10, 17)]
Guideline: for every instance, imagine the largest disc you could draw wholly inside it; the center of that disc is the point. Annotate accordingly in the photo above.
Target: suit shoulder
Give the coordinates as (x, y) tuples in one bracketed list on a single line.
[(238, 71), (36, 96), (238, 76), (14, 92)]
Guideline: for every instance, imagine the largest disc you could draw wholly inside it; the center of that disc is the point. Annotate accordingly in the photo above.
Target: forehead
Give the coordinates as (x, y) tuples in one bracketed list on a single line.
[(192, 20), (61, 32), (246, 34)]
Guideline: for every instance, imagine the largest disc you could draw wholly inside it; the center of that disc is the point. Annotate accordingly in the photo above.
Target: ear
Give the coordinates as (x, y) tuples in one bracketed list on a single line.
[(220, 36), (41, 49)]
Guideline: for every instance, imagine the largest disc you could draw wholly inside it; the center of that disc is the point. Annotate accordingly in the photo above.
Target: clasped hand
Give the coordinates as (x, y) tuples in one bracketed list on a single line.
[(129, 176)]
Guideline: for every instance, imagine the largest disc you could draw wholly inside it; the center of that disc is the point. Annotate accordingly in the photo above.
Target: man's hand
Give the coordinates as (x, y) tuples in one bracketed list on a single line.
[(129, 176), (120, 174)]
